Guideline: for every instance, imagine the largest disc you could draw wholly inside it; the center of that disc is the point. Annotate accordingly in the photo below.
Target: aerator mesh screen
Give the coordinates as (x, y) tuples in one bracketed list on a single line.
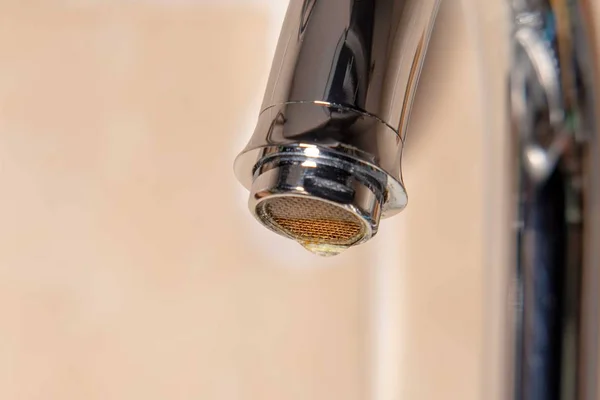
[(311, 220)]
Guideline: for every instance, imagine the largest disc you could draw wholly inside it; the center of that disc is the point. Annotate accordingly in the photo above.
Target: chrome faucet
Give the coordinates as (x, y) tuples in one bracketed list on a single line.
[(324, 164)]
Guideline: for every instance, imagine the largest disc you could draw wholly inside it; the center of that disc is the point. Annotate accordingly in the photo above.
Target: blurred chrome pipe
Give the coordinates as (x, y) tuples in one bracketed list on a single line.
[(553, 110), (323, 165)]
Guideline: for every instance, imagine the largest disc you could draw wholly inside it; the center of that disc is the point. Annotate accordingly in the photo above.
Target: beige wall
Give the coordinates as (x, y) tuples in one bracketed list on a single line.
[(129, 267), (128, 264)]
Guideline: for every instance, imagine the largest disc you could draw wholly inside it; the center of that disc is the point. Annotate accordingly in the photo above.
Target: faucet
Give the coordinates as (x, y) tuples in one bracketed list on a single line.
[(324, 164)]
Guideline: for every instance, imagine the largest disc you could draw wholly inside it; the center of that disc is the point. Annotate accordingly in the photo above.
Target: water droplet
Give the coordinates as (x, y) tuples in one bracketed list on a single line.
[(324, 249)]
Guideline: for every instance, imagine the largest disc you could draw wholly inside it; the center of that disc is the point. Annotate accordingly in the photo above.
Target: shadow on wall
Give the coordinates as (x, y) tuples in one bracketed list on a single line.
[(443, 171)]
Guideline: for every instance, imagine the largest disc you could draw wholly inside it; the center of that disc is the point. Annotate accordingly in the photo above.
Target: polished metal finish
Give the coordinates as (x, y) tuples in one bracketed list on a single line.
[(308, 172), (553, 125), (331, 132), (343, 81)]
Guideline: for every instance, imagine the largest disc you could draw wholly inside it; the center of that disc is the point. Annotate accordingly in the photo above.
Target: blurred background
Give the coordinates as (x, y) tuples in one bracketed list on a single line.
[(130, 267)]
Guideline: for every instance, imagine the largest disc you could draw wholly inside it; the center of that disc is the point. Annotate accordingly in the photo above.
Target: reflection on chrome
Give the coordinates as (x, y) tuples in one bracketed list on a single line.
[(324, 164)]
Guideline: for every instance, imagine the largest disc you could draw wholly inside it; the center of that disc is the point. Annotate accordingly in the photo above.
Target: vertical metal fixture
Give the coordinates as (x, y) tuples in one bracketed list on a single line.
[(556, 182)]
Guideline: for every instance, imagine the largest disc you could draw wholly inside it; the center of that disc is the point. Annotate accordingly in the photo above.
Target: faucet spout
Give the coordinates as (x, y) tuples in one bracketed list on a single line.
[(330, 134)]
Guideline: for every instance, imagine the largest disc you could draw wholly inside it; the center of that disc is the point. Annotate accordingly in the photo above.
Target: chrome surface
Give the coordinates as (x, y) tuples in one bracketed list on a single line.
[(332, 128), (553, 110), (343, 81), (305, 171)]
